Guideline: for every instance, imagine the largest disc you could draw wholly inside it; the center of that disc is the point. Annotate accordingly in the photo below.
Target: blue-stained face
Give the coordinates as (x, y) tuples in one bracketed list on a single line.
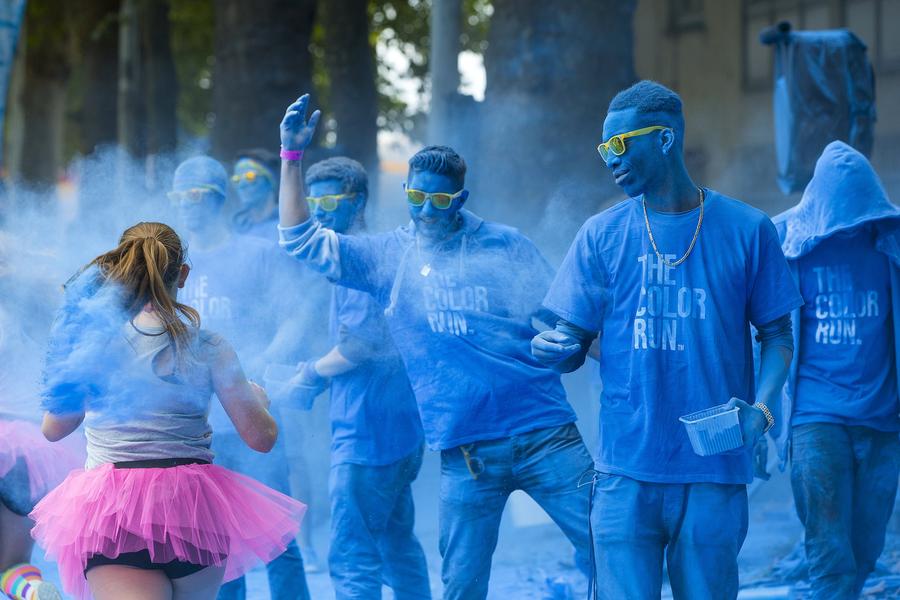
[(346, 212), (434, 224), (644, 163), (198, 209), (253, 182)]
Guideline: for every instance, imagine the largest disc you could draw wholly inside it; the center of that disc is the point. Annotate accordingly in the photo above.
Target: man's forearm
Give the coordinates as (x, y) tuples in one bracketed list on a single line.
[(334, 363), (292, 209), (774, 364)]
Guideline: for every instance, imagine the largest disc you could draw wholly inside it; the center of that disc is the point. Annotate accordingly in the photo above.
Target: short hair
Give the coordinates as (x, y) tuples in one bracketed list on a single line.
[(648, 97), (349, 172), (442, 160)]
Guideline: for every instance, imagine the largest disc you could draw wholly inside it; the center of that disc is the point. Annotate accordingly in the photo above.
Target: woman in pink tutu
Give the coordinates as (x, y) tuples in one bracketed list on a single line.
[(150, 517), (30, 466)]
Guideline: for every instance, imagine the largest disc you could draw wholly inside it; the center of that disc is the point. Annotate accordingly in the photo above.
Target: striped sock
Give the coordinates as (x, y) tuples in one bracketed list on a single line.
[(18, 582)]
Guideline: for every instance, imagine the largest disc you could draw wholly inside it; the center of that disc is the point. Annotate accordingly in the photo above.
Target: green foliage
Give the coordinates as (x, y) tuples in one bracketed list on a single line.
[(193, 23), (404, 27)]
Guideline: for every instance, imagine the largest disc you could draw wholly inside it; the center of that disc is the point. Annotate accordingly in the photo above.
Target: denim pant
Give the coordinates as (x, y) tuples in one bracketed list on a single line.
[(845, 481), (547, 464), (372, 539), (698, 527), (287, 578)]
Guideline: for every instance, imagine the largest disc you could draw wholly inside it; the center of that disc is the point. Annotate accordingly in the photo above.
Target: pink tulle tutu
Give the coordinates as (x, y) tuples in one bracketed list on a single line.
[(48, 463), (202, 514)]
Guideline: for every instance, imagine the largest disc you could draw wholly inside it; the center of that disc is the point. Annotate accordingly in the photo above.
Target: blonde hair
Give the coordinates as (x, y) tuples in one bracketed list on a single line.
[(146, 266)]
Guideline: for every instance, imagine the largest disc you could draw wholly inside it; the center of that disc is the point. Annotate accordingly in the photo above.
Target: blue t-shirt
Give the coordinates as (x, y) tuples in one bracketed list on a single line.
[(845, 371), (673, 340), (229, 286), (374, 418), (460, 315)]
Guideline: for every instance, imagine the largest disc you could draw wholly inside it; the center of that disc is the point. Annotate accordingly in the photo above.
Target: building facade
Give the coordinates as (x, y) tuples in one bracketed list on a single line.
[(709, 51)]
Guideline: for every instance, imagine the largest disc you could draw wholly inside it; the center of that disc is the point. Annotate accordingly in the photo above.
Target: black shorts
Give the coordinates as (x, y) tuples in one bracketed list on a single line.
[(141, 560)]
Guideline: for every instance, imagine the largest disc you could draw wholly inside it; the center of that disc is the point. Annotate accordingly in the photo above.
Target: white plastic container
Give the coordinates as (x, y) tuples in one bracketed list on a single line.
[(714, 430)]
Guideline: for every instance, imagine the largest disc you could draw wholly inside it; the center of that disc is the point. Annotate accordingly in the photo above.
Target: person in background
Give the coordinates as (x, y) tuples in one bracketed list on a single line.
[(840, 405), (670, 280), (459, 294), (254, 179), (376, 434), (30, 466), (301, 333), (150, 517), (233, 291)]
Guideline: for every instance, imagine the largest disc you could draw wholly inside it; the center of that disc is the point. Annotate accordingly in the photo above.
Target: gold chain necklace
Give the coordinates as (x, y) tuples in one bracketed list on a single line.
[(659, 255)]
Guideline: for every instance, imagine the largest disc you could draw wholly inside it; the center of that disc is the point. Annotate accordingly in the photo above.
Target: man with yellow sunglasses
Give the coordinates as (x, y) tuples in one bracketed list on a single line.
[(670, 281), (459, 295), (376, 434)]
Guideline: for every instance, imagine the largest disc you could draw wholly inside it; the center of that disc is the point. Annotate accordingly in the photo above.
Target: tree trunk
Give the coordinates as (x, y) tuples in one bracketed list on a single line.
[(350, 61), (100, 59), (47, 72), (131, 107), (552, 69), (162, 93), (162, 82), (446, 17), (262, 64)]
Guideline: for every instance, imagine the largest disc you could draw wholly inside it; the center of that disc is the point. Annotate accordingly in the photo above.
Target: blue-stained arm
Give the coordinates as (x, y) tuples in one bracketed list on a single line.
[(563, 348), (316, 246), (776, 350)]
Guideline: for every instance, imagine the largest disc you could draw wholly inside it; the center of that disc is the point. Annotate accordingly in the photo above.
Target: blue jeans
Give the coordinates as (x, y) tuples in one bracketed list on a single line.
[(698, 527), (372, 539), (547, 464), (287, 578), (845, 481)]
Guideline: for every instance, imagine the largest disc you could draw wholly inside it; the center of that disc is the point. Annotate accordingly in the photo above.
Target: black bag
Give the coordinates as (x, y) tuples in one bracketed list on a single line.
[(824, 91)]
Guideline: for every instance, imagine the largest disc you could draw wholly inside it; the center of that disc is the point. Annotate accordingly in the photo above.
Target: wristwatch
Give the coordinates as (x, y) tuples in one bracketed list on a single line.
[(770, 420)]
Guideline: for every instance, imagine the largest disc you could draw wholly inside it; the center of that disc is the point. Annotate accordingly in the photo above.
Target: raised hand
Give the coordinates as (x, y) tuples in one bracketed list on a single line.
[(296, 131)]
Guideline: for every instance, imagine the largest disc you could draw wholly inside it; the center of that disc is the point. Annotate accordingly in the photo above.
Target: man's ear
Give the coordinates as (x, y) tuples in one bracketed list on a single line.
[(667, 139), (463, 197), (183, 275)]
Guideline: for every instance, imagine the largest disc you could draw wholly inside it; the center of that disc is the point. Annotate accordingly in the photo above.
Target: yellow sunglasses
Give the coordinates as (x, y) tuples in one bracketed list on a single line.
[(329, 203), (439, 200), (616, 144)]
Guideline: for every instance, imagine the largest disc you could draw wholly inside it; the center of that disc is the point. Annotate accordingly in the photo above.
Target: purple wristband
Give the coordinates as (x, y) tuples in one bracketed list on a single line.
[(291, 154)]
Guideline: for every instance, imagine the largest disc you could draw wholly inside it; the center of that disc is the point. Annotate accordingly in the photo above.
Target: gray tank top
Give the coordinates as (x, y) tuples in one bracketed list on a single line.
[(145, 415)]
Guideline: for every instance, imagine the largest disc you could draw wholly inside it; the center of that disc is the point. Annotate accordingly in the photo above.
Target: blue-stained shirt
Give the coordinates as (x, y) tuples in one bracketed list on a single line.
[(845, 371), (229, 285), (461, 317), (673, 340), (374, 417)]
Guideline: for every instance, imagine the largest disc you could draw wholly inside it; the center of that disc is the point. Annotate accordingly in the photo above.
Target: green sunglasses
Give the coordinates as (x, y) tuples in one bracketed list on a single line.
[(616, 144), (329, 203), (439, 200)]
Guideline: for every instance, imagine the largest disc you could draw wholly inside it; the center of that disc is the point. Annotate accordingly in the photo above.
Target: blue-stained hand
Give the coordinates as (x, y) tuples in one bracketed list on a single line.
[(304, 387), (553, 346), (761, 459), (296, 132), (753, 421)]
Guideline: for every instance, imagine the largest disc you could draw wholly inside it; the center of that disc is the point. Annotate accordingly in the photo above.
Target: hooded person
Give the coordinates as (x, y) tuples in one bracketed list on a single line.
[(839, 411)]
